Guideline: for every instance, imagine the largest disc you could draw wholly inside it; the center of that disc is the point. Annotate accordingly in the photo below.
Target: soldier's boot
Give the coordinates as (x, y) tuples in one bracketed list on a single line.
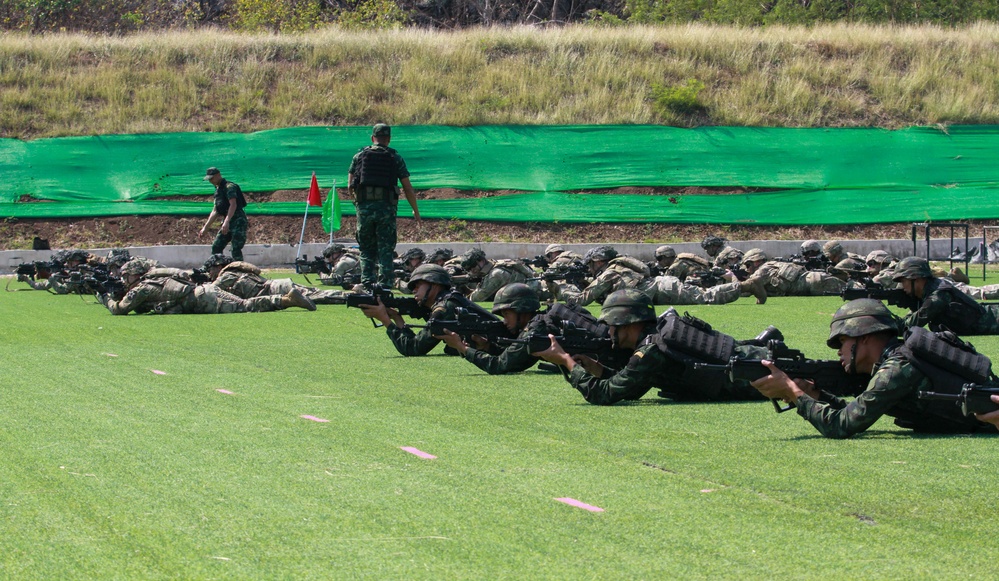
[(958, 275), (295, 298), (754, 286)]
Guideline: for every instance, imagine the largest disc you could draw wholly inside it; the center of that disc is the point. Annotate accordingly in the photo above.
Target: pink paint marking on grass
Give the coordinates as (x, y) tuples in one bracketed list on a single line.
[(578, 504), (225, 391), (417, 452), (315, 419), (158, 372), (110, 354)]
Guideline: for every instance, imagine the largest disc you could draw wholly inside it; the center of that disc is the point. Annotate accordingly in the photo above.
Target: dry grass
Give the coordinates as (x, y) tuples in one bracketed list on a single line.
[(217, 81)]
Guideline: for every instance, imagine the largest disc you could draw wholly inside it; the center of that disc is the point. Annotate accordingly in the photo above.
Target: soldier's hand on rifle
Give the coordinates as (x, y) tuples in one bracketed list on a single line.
[(383, 314), (591, 365), (778, 385), (991, 417), (453, 340), (555, 354), (481, 343)]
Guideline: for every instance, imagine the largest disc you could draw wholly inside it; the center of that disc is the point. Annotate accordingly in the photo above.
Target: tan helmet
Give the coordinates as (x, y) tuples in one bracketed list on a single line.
[(753, 255)]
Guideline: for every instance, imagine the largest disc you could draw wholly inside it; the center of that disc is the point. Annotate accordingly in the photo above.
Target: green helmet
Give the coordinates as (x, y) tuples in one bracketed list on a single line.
[(137, 266), (332, 249), (444, 254), (472, 258), (517, 296), (431, 273), (912, 267), (118, 256), (665, 252), (811, 248), (753, 255), (627, 306), (217, 260), (861, 317), (712, 241), (414, 253), (602, 253)]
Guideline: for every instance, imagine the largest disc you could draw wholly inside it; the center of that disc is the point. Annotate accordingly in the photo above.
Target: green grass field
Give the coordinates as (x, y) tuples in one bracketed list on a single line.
[(111, 470)]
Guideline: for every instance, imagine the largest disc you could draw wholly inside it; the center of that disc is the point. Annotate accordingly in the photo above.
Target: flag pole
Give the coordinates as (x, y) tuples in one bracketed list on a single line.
[(332, 193), (301, 237)]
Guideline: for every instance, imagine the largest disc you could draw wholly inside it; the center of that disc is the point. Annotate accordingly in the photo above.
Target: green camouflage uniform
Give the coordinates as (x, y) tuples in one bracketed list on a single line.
[(786, 279), (228, 193), (650, 367), (515, 358), (502, 273), (167, 295), (376, 223), (892, 391), (243, 280), (411, 344), (945, 306)]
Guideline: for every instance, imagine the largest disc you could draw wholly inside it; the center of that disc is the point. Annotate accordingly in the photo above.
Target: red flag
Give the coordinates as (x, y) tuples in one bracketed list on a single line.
[(314, 198)]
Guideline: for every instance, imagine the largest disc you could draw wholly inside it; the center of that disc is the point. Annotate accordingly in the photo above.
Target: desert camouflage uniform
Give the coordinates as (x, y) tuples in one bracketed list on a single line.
[(687, 264), (347, 268), (892, 391), (786, 279), (244, 280), (502, 273), (620, 273), (167, 295)]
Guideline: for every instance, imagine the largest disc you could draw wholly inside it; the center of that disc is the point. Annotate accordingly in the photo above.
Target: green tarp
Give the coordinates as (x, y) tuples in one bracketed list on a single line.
[(817, 176)]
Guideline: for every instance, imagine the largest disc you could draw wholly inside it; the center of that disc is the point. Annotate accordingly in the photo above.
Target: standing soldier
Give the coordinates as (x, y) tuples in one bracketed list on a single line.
[(373, 179), (229, 203)]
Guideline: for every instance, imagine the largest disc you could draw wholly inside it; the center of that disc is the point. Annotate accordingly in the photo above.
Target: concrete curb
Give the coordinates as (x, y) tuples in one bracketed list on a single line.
[(283, 255)]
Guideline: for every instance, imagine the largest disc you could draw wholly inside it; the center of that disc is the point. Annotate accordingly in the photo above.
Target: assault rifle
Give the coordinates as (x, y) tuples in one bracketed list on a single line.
[(819, 262), (470, 322), (38, 269), (574, 273), (873, 290), (538, 261), (408, 306), (714, 277), (317, 265), (200, 276), (974, 398), (574, 341), (109, 287), (827, 375)]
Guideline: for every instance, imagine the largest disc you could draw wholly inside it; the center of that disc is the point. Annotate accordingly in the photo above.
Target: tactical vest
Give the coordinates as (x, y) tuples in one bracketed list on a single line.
[(377, 169), (963, 312), (690, 340), (222, 198), (949, 363), (515, 267)]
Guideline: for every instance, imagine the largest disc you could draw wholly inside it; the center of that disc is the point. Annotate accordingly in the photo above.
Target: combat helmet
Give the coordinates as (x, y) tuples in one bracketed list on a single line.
[(431, 273), (602, 253), (729, 256), (414, 253), (832, 247), (912, 267), (333, 248), (217, 260), (861, 317), (665, 252), (517, 296), (80, 255), (627, 306), (444, 254), (137, 266), (554, 248), (472, 258), (753, 255), (118, 256), (879, 257), (712, 241), (811, 248)]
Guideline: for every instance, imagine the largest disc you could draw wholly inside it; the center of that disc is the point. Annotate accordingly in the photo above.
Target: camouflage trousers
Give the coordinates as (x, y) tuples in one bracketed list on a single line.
[(668, 290), (376, 238), (283, 286), (209, 300), (236, 235), (989, 292), (814, 283)]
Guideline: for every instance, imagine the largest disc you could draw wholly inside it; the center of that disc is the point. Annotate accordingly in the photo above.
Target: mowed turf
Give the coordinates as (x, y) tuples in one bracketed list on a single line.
[(120, 458)]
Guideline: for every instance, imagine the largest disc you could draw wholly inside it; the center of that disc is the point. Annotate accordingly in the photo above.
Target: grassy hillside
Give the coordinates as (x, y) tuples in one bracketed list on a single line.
[(687, 75)]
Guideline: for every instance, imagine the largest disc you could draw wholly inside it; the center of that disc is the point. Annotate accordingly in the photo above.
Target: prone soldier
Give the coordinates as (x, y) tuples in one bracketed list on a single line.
[(245, 281), (494, 275), (941, 305), (784, 279)]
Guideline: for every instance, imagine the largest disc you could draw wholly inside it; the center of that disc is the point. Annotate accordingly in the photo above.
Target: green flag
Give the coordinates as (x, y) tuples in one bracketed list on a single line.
[(331, 211)]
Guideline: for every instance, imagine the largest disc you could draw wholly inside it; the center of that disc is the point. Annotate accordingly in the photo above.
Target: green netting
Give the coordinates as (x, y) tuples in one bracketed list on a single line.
[(826, 176)]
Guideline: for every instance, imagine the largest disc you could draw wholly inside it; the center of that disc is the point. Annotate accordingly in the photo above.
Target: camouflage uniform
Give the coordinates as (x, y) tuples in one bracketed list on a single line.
[(410, 344), (229, 193), (728, 257), (347, 269), (619, 273), (244, 280), (786, 279), (502, 273), (943, 306), (376, 220), (517, 357), (172, 295), (893, 388), (687, 264), (669, 290)]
